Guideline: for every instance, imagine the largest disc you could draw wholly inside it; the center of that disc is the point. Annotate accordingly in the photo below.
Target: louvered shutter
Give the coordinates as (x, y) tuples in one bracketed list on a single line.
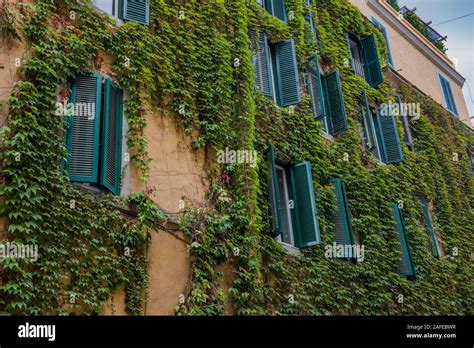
[(341, 219), (372, 70), (261, 62), (111, 156), (310, 19), (315, 88), (273, 192), (387, 40), (408, 137), (135, 10), (390, 148), (433, 245), (335, 102), (368, 125), (448, 95), (277, 8), (305, 211), (287, 81), (84, 130), (406, 264)]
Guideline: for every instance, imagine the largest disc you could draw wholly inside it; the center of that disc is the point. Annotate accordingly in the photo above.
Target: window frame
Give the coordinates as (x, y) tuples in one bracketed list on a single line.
[(285, 204), (446, 98), (115, 9)]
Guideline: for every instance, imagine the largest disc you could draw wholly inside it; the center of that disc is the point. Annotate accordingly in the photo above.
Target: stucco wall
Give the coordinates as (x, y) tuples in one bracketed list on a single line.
[(413, 65)]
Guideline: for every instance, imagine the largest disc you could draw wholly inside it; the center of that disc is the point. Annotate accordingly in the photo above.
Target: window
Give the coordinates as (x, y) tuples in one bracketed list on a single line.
[(293, 202), (387, 40), (94, 139), (276, 69), (380, 132), (326, 98), (277, 8), (406, 263), (342, 219), (448, 95), (407, 137), (365, 59), (470, 157), (433, 245), (129, 10)]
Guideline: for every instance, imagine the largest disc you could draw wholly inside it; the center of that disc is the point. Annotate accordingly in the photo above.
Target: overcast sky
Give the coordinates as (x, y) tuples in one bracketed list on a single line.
[(460, 32)]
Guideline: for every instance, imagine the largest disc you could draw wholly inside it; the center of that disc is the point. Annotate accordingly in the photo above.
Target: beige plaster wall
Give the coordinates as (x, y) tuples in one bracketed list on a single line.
[(416, 67)]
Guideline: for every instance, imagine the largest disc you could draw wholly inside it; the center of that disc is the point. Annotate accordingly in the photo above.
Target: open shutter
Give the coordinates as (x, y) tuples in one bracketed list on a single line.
[(135, 10), (111, 156), (274, 193), (373, 72), (261, 62), (287, 81), (305, 212), (277, 8), (390, 148), (84, 130), (433, 245), (387, 40), (470, 157), (310, 19), (335, 102), (315, 88), (448, 95), (370, 138), (408, 137), (406, 264), (342, 220)]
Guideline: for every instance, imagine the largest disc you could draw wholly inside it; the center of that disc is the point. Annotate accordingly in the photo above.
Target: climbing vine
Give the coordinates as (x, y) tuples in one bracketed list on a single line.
[(195, 59)]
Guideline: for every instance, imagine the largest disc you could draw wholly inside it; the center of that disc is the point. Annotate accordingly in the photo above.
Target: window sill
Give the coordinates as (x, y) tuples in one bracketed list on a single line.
[(328, 136), (292, 250)]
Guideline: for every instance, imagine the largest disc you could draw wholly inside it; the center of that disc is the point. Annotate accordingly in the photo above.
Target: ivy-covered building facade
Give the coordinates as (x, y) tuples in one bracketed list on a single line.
[(244, 157)]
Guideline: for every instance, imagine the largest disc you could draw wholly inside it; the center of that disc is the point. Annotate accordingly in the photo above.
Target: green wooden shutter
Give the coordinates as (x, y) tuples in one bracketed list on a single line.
[(390, 148), (387, 39), (315, 88), (274, 193), (261, 62), (135, 11), (433, 245), (406, 264), (310, 20), (84, 131), (111, 154), (370, 138), (335, 102), (342, 220), (286, 72), (408, 137), (373, 72), (277, 8), (448, 95), (470, 157), (305, 214)]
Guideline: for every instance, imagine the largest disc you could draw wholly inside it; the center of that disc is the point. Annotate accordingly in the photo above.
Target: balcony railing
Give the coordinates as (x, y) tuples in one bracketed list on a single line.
[(358, 67)]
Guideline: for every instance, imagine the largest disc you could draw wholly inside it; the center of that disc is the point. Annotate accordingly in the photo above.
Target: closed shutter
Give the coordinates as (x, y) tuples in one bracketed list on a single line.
[(387, 40), (84, 131), (433, 245), (274, 193), (261, 62), (372, 70), (315, 88), (408, 137), (341, 219), (305, 212), (448, 95), (277, 8), (335, 102), (406, 264), (390, 148), (135, 10), (111, 157), (286, 71)]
